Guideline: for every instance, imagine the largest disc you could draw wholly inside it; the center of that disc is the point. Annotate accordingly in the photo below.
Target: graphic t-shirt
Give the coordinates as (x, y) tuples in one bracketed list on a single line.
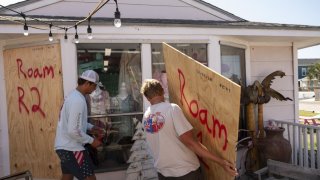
[(164, 123)]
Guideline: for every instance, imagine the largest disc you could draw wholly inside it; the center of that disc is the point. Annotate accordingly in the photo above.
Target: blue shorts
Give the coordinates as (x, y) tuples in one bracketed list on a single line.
[(77, 163), (193, 175)]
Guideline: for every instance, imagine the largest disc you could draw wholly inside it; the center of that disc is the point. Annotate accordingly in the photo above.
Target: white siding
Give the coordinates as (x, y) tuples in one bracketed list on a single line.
[(265, 60)]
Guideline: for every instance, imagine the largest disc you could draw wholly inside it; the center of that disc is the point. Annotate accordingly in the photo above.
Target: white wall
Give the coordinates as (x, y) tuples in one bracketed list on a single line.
[(265, 60), (69, 65)]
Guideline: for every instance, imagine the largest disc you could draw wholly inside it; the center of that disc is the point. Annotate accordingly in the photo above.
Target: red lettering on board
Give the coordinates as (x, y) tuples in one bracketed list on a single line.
[(20, 99), (35, 107), (19, 64), (201, 114), (35, 72)]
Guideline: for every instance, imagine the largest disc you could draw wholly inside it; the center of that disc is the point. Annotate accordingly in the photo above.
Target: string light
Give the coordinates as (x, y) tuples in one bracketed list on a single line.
[(50, 34), (25, 27), (89, 30), (65, 33), (117, 20), (76, 37)]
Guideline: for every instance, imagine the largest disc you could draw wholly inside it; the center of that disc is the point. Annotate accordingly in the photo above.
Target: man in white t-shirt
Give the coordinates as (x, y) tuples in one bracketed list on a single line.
[(170, 137), (71, 133)]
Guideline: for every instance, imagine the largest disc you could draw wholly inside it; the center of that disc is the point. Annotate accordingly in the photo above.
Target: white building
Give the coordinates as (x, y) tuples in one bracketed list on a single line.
[(224, 42)]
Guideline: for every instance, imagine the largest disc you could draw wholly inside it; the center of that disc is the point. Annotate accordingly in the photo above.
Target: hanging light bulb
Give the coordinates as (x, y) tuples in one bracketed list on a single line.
[(117, 20), (25, 29), (50, 34), (65, 33), (89, 30), (76, 37)]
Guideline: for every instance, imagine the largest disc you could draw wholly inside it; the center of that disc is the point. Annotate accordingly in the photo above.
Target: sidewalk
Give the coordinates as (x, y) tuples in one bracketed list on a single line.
[(309, 105), (307, 102)]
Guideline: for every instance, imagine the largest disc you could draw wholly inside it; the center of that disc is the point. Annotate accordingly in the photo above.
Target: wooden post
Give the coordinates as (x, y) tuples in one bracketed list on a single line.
[(260, 121), (251, 125)]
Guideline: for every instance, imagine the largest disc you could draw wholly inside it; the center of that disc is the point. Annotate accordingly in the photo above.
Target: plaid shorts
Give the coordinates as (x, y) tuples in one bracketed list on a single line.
[(77, 163)]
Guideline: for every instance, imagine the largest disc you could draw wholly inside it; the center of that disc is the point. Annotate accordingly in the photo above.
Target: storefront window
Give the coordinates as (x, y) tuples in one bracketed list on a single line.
[(196, 51), (233, 67), (233, 63), (115, 105)]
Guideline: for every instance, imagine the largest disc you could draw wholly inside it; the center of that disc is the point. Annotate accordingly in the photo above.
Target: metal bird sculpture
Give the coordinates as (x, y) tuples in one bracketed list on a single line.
[(268, 92), (261, 93)]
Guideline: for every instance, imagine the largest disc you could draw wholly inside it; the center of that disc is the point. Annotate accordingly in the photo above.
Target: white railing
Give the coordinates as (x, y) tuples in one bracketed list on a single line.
[(305, 143)]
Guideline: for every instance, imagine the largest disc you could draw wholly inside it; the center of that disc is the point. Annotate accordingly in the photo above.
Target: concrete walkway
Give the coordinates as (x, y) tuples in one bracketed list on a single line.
[(307, 102), (309, 105)]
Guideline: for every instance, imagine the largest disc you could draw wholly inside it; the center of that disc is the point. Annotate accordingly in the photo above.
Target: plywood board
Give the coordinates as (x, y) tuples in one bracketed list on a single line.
[(34, 96), (210, 102)]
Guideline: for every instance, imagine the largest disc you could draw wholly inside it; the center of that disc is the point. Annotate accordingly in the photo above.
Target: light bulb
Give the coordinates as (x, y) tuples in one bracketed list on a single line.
[(89, 31), (117, 23), (50, 36), (25, 30), (117, 20), (65, 34), (90, 36), (76, 39)]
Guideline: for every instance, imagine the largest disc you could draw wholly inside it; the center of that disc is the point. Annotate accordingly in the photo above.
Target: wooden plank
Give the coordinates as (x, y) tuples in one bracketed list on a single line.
[(20, 175), (34, 97), (210, 102), (292, 171)]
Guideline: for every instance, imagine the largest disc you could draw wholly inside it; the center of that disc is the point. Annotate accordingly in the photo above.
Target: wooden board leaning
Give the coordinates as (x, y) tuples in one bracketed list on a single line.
[(210, 102), (34, 96)]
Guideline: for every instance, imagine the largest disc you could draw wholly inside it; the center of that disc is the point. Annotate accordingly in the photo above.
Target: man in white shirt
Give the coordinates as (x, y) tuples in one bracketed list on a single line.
[(169, 135), (71, 133)]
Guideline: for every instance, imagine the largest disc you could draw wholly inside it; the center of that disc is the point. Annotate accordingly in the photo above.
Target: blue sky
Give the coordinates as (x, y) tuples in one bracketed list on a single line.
[(274, 11)]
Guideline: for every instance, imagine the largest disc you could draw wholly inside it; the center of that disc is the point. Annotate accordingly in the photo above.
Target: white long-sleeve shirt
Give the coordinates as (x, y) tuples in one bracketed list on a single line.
[(72, 126)]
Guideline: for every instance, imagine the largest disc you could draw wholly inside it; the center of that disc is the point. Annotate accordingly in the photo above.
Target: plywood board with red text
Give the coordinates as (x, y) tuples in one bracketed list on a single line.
[(210, 102), (34, 97)]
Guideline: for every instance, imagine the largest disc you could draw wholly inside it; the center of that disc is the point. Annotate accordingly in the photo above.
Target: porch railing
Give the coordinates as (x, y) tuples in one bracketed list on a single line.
[(305, 143)]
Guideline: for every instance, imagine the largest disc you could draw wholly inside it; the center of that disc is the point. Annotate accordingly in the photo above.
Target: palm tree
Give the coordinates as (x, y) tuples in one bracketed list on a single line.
[(261, 93), (313, 72)]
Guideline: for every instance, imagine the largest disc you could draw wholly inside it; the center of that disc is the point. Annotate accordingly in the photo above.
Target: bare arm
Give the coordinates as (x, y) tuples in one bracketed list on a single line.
[(188, 140)]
